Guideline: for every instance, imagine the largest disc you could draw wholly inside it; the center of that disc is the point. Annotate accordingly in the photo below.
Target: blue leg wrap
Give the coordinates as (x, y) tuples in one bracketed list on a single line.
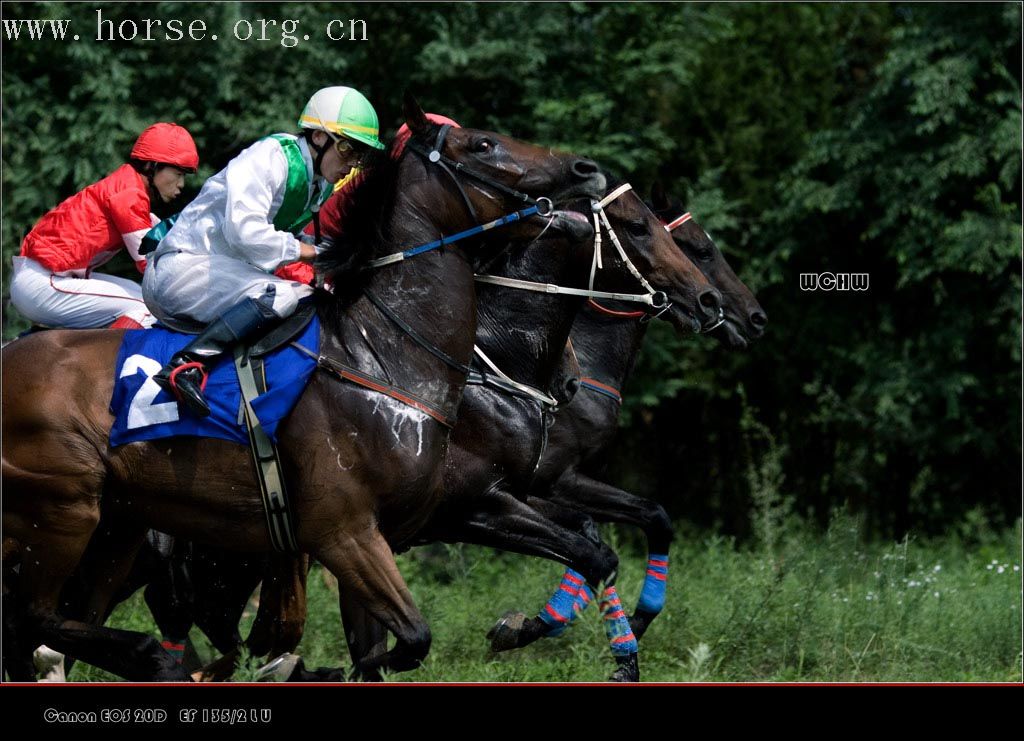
[(616, 624), (559, 612), (652, 597), (583, 600)]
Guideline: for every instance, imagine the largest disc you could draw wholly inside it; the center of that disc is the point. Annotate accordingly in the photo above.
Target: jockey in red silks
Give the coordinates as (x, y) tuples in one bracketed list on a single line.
[(53, 283), (332, 212)]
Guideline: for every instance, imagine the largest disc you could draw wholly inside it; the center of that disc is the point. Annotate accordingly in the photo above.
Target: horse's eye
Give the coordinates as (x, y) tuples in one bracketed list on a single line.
[(483, 146), (637, 228)]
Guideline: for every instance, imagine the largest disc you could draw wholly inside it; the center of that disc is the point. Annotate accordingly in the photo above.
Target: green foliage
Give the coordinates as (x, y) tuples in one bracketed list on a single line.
[(903, 401), (878, 138)]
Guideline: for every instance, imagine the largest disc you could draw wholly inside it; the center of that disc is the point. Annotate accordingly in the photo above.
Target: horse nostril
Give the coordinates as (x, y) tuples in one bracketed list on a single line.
[(572, 386), (584, 169), (758, 319), (710, 301)]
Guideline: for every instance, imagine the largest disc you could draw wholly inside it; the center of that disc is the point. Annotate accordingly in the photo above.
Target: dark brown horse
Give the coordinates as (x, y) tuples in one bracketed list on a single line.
[(607, 337), (499, 451), (364, 470)]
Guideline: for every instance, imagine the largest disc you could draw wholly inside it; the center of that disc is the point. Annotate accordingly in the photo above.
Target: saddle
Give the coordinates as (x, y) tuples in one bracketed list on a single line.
[(277, 336)]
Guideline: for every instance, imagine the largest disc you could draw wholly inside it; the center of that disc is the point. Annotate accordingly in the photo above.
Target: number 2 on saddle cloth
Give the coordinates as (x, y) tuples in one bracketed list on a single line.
[(144, 411)]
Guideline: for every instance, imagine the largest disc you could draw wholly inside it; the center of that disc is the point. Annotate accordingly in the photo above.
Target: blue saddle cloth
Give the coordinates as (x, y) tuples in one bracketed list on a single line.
[(144, 411)]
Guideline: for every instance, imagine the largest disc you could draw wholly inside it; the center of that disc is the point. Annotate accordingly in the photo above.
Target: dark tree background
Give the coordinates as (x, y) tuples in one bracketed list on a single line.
[(878, 138)]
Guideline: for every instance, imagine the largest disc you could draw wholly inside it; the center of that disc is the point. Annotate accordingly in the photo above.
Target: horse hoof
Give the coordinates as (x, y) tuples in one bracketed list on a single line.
[(49, 665), (628, 671), (280, 669), (505, 633)]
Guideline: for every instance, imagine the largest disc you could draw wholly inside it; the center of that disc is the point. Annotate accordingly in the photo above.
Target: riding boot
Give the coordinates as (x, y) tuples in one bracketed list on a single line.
[(185, 374)]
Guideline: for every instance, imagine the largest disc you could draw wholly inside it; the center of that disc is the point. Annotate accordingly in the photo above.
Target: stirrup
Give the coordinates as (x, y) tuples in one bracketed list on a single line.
[(193, 399), (172, 377)]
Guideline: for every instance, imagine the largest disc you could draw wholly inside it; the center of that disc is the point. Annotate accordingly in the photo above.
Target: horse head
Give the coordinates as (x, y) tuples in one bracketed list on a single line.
[(745, 320), (494, 175), (682, 293)]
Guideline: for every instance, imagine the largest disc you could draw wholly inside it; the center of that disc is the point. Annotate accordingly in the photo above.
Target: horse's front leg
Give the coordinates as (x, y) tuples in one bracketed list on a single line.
[(367, 638), (362, 561), (607, 503)]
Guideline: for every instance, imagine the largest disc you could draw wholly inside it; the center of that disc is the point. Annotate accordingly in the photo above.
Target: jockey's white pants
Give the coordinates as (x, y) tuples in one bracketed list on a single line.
[(79, 303), (201, 287)]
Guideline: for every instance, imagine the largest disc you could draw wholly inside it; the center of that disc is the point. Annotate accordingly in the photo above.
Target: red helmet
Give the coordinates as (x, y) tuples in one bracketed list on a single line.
[(167, 143)]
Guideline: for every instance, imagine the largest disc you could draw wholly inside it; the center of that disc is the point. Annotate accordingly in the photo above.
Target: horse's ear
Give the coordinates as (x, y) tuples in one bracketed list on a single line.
[(414, 115), (658, 198)]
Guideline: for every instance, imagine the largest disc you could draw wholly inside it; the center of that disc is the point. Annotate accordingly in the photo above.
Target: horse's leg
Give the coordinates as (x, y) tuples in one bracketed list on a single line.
[(281, 617), (169, 592), (223, 582), (111, 571), (46, 565), (21, 662), (502, 521), (607, 503), (17, 653), (367, 638), (584, 525), (365, 567)]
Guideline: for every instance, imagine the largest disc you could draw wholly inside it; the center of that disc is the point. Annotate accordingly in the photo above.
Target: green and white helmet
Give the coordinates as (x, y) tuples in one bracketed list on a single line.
[(344, 111)]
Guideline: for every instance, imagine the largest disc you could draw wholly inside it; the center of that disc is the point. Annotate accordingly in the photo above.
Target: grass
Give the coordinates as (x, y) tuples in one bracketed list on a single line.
[(803, 607)]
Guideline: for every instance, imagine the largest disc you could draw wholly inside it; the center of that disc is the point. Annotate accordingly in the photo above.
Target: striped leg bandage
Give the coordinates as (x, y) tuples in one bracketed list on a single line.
[(652, 596)]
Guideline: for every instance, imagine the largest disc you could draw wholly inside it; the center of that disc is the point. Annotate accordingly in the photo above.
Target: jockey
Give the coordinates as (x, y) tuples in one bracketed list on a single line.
[(53, 283), (332, 213), (215, 264)]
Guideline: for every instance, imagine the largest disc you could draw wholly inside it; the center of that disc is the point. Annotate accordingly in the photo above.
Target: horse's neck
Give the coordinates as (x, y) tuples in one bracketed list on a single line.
[(522, 332), (607, 347), (433, 293)]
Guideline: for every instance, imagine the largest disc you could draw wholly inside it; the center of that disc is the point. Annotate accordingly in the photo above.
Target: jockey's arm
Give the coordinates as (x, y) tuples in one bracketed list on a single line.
[(252, 181), (129, 211)]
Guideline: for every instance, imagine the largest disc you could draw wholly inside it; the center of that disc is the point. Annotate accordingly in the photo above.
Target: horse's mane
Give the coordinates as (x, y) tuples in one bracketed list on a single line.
[(364, 217)]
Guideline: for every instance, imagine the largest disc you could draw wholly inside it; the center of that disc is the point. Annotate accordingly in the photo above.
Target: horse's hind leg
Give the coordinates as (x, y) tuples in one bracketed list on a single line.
[(17, 653), (46, 564)]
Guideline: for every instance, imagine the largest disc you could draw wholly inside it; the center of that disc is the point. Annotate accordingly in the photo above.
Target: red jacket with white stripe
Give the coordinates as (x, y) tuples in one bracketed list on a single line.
[(89, 228)]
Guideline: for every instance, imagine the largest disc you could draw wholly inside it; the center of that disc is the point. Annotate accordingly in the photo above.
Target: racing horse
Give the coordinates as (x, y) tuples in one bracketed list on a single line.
[(606, 340), (498, 447), (364, 468), (504, 415)]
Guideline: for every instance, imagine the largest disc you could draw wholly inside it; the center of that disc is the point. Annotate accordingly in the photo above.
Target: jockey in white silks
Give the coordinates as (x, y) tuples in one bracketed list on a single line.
[(215, 265)]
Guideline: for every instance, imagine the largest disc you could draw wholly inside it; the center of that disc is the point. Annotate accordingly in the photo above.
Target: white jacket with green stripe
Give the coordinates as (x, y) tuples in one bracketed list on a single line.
[(253, 209)]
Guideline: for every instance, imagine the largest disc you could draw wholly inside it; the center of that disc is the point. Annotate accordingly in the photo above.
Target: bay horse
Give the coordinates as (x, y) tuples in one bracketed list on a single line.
[(500, 436), (364, 469)]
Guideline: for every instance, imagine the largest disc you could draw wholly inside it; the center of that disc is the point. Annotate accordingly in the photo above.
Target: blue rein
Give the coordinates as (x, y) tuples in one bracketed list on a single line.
[(501, 221)]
